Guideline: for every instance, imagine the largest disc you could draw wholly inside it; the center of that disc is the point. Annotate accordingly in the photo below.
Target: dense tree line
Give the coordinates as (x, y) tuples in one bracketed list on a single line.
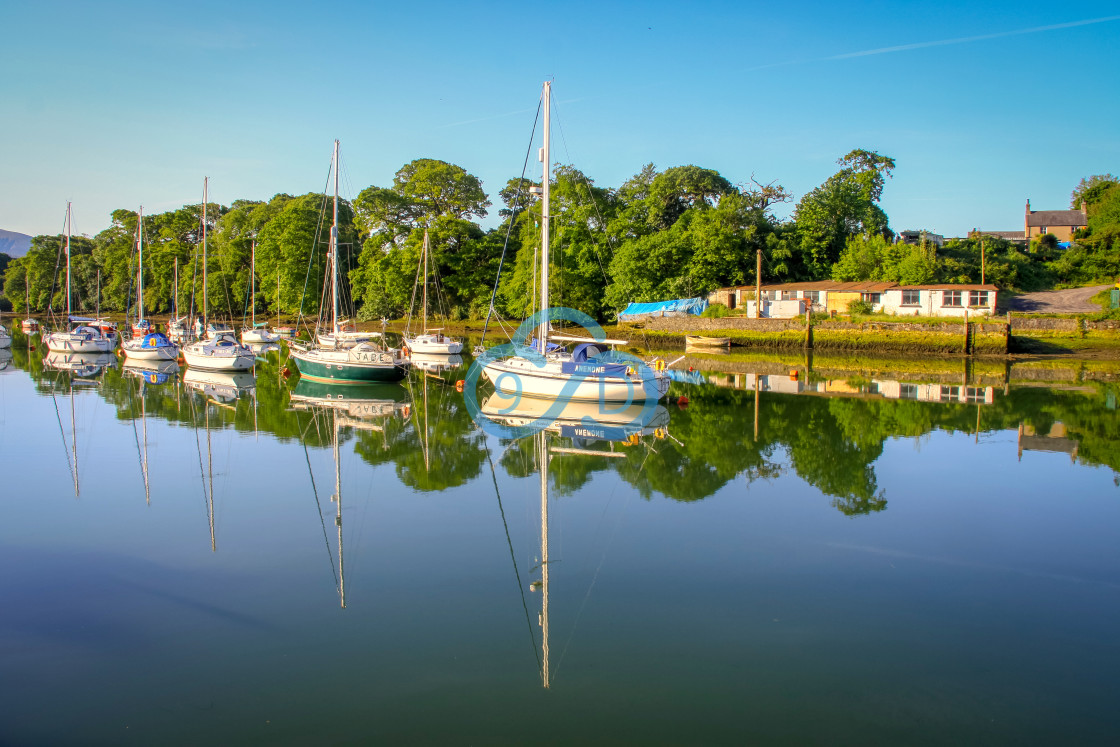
[(675, 233)]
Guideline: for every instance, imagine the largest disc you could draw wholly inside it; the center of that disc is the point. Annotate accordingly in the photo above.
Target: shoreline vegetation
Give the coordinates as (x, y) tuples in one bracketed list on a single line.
[(991, 338), (662, 234)]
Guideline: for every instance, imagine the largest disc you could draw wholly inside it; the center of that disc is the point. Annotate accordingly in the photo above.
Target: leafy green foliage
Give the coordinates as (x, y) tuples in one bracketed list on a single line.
[(716, 311), (876, 258), (859, 306)]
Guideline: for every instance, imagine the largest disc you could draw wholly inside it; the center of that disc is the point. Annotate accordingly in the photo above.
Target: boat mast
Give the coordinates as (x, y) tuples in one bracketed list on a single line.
[(545, 159), (425, 281), (67, 263), (252, 285), (98, 314), (333, 250), (205, 188), (140, 266), (175, 299)]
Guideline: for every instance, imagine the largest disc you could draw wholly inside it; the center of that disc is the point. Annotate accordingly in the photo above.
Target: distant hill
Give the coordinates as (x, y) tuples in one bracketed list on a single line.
[(14, 244)]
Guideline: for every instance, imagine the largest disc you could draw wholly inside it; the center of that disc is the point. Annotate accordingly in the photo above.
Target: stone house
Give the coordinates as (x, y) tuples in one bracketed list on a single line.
[(1061, 223)]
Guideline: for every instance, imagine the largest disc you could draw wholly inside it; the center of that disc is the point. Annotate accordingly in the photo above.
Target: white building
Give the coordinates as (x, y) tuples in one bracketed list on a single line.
[(888, 298)]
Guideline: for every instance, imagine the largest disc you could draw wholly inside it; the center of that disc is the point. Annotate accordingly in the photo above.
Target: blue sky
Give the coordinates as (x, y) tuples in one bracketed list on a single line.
[(983, 105)]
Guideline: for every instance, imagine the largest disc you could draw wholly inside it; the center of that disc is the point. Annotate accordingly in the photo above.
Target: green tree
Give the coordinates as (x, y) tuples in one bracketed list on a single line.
[(845, 205)]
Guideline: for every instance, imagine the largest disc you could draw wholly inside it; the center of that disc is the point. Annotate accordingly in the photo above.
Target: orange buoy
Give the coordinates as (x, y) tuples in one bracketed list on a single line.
[(794, 374), (285, 372), (682, 402), (459, 385), (691, 369)]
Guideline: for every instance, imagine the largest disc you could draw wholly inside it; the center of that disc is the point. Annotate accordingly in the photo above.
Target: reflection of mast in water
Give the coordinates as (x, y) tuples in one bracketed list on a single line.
[(206, 471), (71, 461), (337, 498), (542, 455), (359, 407), (142, 452)]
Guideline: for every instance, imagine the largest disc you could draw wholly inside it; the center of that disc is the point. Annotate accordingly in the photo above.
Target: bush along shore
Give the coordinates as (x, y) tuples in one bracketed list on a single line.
[(984, 336)]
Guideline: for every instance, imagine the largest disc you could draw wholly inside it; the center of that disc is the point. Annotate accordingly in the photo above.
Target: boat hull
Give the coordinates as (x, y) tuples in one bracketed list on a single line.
[(433, 345), (521, 376), (65, 342), (141, 353), (258, 336), (5, 338), (339, 367), (222, 355), (707, 342)]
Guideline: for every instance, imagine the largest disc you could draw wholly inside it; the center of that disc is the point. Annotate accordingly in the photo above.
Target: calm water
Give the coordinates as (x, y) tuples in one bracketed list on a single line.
[(867, 560)]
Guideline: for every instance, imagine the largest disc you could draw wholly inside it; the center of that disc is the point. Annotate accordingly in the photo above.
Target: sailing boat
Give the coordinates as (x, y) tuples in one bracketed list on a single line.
[(592, 371), (82, 337), (286, 333), (223, 352), (178, 328), (427, 342), (29, 326), (145, 344), (332, 359), (256, 333)]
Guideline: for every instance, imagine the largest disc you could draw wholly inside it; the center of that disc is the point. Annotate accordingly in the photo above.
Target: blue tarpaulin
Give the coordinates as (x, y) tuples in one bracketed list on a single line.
[(678, 307)]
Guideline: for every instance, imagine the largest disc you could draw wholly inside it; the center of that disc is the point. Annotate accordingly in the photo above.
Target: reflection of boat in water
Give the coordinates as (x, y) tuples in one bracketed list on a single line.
[(356, 404), (221, 386), (363, 407), (434, 363), (5, 358), (262, 348), (581, 422), (151, 371), (81, 365), (577, 419)]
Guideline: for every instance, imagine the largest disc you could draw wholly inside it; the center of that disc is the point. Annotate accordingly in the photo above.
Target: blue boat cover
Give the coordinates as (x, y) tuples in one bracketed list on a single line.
[(678, 307), (156, 340), (590, 359)]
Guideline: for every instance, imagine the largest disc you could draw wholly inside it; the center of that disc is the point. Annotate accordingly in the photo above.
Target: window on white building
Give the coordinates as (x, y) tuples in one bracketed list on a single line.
[(873, 298), (911, 297), (950, 298), (978, 298)]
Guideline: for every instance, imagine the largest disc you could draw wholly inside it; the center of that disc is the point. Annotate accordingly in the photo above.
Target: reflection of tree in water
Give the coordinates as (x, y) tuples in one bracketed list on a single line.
[(830, 442), (454, 446)]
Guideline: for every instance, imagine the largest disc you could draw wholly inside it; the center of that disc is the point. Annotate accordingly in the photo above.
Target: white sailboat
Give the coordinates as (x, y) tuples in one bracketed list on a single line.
[(589, 372), (335, 358), (255, 334), (431, 341), (83, 337), (223, 352), (178, 328), (28, 325), (145, 344)]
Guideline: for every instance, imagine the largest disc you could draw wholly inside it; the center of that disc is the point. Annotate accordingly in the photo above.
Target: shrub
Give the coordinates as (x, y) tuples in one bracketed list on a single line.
[(859, 306), (716, 311)]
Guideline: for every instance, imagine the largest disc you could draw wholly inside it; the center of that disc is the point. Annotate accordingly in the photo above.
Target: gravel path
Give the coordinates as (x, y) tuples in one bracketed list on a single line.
[(1071, 301)]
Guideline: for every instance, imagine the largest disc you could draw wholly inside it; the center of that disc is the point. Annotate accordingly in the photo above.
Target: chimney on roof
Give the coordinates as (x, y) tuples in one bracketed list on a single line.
[(1028, 207)]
